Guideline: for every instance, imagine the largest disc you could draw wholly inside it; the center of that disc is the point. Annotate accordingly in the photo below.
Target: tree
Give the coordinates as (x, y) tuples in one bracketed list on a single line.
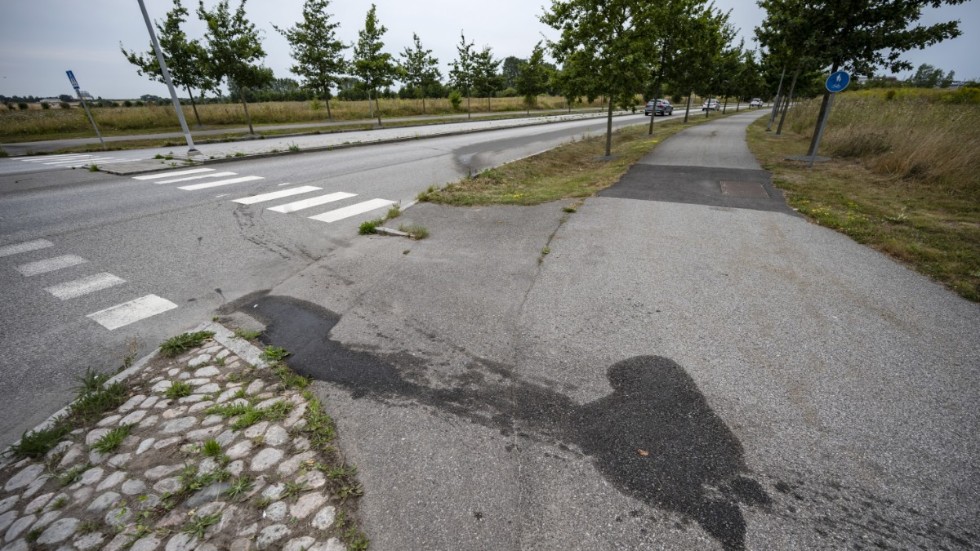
[(697, 40), (532, 77), (186, 59), (510, 70), (374, 67), (461, 70), (859, 35), (927, 76), (485, 78), (234, 49), (609, 44), (318, 54), (420, 70)]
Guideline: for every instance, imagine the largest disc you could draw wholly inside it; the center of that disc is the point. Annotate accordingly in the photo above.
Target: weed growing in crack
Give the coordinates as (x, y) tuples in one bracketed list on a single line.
[(178, 389), (185, 341), (112, 439)]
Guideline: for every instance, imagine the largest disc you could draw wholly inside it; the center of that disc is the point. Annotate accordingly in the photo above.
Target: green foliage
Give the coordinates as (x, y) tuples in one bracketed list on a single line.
[(200, 523), (178, 389), (247, 335), (455, 99), (420, 69), (415, 231), (112, 439), (239, 486), (462, 70), (274, 354), (211, 448), (369, 227), (185, 341), (532, 77), (375, 68), (318, 54)]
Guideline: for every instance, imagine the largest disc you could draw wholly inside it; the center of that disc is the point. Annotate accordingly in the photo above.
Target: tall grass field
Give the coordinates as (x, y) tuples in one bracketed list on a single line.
[(904, 175), (38, 124)]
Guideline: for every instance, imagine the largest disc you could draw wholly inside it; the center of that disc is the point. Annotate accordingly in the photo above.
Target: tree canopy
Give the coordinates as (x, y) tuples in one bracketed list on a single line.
[(318, 54), (374, 67)]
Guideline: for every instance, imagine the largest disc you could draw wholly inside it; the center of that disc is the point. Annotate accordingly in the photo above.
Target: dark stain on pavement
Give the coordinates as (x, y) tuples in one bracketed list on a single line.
[(655, 437)]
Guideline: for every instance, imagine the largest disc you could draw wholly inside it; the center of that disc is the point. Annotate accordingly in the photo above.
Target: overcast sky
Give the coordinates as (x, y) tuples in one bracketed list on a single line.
[(40, 39)]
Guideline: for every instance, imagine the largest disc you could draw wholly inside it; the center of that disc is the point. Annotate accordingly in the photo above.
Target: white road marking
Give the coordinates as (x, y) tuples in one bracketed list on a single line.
[(221, 183), (197, 177), (24, 247), (86, 161), (284, 184), (353, 210), (312, 202), (135, 310), (46, 158), (85, 285), (222, 195), (172, 173), (275, 195), (50, 265)]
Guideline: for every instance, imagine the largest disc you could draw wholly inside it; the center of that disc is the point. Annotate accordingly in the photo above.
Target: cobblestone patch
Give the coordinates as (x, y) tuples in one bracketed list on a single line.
[(235, 470)]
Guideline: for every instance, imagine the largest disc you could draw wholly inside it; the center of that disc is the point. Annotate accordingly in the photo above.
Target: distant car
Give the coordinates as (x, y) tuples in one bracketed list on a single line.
[(710, 105), (658, 107), (756, 102)]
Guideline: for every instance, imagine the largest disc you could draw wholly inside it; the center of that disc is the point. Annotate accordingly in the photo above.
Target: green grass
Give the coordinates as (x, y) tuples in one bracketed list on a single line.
[(185, 341), (575, 169), (249, 415), (369, 227), (200, 523), (239, 486), (247, 335), (414, 231), (211, 448), (112, 439), (274, 354), (903, 178), (177, 389)]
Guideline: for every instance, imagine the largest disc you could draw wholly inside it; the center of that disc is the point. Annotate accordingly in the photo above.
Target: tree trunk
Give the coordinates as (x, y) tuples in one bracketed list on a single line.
[(688, 111), (789, 99), (724, 108), (609, 131), (823, 113), (377, 107), (469, 112), (775, 104), (488, 104), (738, 104), (329, 115), (194, 106), (707, 107), (423, 104), (247, 116)]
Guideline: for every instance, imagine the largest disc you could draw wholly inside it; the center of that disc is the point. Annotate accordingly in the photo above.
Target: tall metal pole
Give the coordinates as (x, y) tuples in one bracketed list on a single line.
[(775, 104), (191, 150), (91, 120), (823, 124)]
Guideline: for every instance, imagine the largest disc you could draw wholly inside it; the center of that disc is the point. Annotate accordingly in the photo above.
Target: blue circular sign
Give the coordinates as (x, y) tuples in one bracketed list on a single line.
[(838, 81)]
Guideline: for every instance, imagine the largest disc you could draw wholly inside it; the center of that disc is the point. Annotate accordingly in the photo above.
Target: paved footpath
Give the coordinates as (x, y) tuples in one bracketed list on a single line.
[(228, 466)]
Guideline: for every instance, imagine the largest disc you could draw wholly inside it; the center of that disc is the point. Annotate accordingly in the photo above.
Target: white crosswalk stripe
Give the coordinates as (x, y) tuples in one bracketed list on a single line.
[(172, 173), (196, 177), (25, 247), (353, 210), (86, 161), (85, 285), (49, 158), (121, 315), (221, 183), (275, 195), (312, 202), (50, 265)]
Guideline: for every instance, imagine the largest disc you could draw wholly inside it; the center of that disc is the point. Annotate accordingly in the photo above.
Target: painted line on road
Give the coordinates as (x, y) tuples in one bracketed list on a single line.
[(25, 247), (89, 160), (312, 202), (353, 210), (275, 195), (221, 183), (85, 285), (133, 311), (196, 177), (47, 158), (50, 265), (172, 173)]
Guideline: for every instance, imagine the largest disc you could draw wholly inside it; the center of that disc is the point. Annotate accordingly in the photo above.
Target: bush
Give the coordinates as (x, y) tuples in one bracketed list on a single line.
[(508, 93), (22, 106), (127, 103), (64, 105), (455, 99), (44, 105)]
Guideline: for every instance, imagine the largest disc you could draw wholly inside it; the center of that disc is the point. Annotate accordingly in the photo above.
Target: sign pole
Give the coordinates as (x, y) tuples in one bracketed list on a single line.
[(836, 82), (78, 92), (191, 151)]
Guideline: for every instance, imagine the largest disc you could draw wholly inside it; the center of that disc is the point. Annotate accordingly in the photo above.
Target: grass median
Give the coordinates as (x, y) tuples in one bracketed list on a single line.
[(574, 170), (903, 178)]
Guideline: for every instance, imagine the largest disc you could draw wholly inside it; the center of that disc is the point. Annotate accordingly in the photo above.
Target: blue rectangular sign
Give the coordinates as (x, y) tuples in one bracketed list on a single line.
[(71, 77)]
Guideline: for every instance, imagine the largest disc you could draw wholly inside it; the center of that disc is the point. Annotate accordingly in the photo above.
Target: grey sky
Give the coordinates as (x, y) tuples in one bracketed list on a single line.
[(40, 39)]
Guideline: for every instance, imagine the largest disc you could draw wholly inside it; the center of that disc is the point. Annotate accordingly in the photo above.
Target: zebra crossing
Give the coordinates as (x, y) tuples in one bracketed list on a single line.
[(75, 160), (112, 317), (207, 178)]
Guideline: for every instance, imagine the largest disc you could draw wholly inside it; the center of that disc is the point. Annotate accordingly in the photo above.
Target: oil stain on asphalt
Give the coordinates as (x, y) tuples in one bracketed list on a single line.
[(655, 438)]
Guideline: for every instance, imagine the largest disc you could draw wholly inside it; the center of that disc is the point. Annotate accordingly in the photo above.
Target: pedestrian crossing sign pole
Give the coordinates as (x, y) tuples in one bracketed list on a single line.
[(81, 97), (836, 82)]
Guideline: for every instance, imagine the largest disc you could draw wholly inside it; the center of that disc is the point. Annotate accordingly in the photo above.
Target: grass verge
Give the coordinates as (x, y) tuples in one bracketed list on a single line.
[(575, 169), (925, 218)]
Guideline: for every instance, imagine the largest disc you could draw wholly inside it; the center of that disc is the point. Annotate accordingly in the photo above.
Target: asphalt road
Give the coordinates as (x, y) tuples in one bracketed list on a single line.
[(692, 366), (188, 251)]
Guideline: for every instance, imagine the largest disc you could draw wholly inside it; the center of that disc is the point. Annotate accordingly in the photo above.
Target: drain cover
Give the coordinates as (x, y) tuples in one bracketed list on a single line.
[(753, 190)]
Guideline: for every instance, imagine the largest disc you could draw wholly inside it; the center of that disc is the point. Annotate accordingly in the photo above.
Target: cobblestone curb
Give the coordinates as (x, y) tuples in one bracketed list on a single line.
[(234, 457)]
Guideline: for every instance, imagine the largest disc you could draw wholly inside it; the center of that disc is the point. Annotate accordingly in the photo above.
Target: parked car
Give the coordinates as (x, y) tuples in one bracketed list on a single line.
[(756, 102), (658, 107), (710, 105)]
